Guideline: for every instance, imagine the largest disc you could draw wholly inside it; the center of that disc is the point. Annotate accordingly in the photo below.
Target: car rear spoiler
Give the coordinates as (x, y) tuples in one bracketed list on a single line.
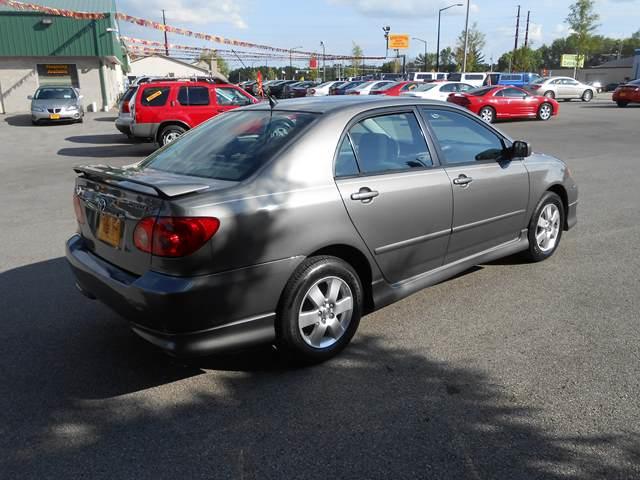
[(132, 179)]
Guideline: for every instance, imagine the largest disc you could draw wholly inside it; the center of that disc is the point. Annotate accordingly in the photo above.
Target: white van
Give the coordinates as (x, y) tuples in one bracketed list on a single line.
[(472, 78), (428, 76)]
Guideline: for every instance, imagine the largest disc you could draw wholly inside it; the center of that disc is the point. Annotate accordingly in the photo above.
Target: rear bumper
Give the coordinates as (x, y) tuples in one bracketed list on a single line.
[(144, 130), (123, 124), (187, 315)]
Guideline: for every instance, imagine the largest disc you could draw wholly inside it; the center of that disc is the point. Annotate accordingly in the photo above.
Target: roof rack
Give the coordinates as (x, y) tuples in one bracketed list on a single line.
[(194, 78)]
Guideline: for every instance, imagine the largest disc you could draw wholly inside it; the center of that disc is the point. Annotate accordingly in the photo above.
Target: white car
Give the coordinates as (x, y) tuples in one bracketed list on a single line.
[(322, 89), (477, 79), (438, 90), (366, 87)]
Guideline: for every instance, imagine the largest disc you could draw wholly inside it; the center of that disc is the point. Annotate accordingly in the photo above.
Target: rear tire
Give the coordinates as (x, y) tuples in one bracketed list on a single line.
[(549, 94), (545, 111), (545, 228), (623, 104), (487, 114), (169, 134), (320, 309), (587, 96)]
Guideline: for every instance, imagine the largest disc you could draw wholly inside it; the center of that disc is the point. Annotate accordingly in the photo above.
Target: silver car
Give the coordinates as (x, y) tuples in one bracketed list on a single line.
[(56, 104), (562, 88), (288, 223)]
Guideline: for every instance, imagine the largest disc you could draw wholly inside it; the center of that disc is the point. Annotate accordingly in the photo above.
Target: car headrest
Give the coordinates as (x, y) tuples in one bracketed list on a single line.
[(375, 150)]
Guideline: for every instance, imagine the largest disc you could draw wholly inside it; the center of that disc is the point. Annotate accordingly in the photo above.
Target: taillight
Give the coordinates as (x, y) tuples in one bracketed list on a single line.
[(535, 87), (77, 208), (125, 107), (174, 236)]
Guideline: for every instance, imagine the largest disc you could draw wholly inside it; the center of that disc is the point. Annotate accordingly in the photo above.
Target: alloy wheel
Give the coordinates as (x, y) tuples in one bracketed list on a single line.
[(545, 112), (548, 227), (487, 115), (325, 312), (170, 137)]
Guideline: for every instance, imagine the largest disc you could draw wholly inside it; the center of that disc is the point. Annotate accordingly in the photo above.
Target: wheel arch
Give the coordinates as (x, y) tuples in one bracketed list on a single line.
[(559, 190), (166, 123), (358, 262)]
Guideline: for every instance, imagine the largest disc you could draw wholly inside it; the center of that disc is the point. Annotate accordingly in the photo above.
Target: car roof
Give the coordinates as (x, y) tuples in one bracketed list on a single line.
[(332, 104), (168, 83)]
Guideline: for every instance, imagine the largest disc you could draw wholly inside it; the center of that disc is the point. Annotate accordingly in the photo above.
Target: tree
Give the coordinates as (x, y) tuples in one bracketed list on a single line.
[(355, 69), (209, 56), (447, 60), (526, 59), (475, 44), (420, 63), (583, 21)]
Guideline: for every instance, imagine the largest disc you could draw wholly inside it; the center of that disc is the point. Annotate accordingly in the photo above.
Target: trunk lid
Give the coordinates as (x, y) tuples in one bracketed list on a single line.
[(114, 200)]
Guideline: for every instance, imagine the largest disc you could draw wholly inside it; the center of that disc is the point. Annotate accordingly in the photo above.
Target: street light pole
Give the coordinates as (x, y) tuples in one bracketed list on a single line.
[(324, 66), (466, 38), (438, 47), (291, 61), (425, 51)]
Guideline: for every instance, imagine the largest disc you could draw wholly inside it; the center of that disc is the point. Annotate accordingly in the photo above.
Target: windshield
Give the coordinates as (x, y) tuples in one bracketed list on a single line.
[(425, 87), (386, 87), (480, 92), (231, 146), (51, 93), (540, 80)]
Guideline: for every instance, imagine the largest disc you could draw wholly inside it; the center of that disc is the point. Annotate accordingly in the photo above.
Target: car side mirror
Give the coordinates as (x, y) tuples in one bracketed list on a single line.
[(29, 97), (520, 149)]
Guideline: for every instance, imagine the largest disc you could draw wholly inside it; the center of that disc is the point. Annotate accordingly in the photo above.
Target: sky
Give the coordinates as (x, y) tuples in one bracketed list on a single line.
[(339, 23)]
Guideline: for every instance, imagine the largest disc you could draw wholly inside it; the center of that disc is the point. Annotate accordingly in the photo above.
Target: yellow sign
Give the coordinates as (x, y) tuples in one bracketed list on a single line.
[(154, 95), (398, 41), (572, 61)]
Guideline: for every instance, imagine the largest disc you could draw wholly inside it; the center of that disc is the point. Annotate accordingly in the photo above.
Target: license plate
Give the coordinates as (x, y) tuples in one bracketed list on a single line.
[(622, 94), (109, 229), (54, 116)]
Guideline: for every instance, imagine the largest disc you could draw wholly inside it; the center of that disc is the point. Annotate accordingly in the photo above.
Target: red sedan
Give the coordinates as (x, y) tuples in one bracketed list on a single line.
[(395, 89), (627, 93), (502, 102)]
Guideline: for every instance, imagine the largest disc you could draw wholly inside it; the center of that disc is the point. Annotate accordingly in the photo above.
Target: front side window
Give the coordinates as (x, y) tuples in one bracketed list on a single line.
[(193, 96), (230, 146), (155, 96), (390, 142), (227, 96), (510, 93), (462, 139)]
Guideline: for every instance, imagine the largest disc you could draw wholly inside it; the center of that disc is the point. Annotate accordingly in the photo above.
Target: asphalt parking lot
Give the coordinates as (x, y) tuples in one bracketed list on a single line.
[(509, 371)]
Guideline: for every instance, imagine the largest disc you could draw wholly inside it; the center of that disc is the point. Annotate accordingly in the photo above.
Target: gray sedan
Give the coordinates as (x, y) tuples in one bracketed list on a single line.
[(56, 103), (562, 88), (287, 224)]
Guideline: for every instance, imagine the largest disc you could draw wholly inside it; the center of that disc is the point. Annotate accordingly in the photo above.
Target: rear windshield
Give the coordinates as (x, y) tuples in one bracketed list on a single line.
[(386, 87), (634, 82), (129, 93), (51, 93), (480, 92), (540, 80), (232, 146), (425, 87)]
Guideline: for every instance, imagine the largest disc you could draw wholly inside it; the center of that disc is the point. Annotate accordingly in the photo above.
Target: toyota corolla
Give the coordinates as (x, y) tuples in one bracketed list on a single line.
[(286, 223)]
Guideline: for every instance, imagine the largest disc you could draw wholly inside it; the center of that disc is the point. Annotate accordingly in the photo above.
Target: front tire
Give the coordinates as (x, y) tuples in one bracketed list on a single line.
[(545, 111), (320, 309), (623, 104), (487, 114), (549, 94), (587, 96), (169, 134), (545, 227)]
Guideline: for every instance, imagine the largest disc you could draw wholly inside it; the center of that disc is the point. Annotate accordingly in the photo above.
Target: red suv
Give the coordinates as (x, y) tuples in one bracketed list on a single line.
[(164, 110)]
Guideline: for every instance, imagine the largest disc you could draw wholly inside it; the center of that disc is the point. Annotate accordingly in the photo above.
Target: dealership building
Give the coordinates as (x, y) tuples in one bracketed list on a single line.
[(37, 49)]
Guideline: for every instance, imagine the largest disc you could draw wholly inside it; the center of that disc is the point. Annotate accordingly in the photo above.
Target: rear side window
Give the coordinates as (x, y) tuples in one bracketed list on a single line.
[(193, 96), (155, 96), (390, 142), (231, 146), (462, 139), (346, 163)]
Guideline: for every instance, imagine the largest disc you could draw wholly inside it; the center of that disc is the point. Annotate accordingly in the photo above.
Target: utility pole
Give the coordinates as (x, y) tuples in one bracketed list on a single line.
[(466, 39), (324, 66), (438, 42), (166, 43), (515, 45), (526, 35)]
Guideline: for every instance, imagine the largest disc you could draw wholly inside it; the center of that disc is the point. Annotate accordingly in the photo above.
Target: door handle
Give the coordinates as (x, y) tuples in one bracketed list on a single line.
[(365, 195), (462, 180)]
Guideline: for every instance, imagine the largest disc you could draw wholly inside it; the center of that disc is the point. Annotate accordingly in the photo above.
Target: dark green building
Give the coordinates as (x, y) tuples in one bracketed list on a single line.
[(38, 49)]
